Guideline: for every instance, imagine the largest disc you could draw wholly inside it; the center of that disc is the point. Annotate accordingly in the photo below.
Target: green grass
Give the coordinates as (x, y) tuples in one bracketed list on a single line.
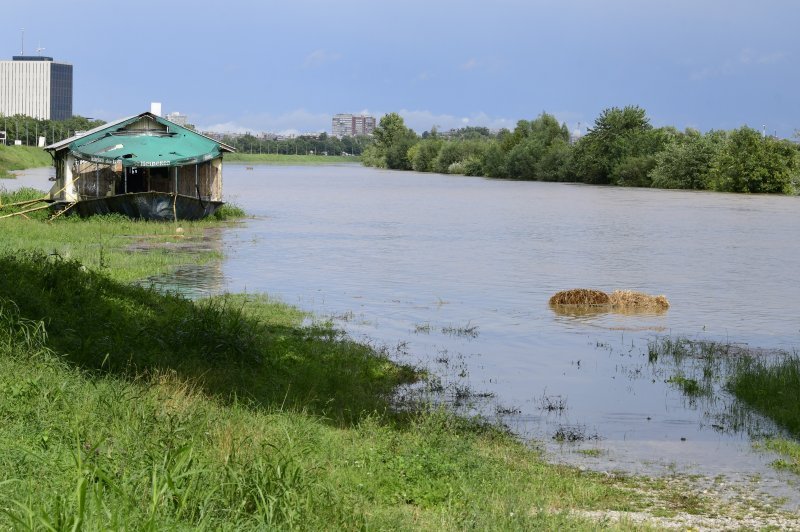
[(273, 158), (789, 450), (20, 158), (124, 408), (125, 249), (772, 387), (764, 382)]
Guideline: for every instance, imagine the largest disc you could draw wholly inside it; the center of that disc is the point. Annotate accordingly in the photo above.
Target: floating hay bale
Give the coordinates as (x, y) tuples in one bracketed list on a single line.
[(628, 300), (580, 296)]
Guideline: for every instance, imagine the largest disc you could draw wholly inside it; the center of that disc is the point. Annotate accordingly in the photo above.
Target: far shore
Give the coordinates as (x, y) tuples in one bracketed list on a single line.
[(276, 158)]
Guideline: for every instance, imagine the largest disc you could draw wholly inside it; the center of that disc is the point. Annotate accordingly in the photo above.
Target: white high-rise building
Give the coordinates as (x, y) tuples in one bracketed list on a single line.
[(36, 86), (347, 125)]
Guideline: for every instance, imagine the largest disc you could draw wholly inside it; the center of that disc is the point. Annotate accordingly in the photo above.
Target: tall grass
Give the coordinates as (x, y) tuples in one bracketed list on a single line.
[(122, 408), (20, 158), (771, 387)]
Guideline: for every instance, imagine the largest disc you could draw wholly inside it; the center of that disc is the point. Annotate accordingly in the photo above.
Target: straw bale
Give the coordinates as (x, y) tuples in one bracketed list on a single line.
[(630, 300), (580, 296)]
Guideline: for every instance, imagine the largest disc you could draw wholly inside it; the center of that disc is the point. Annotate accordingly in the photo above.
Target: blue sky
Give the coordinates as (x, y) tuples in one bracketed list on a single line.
[(288, 66)]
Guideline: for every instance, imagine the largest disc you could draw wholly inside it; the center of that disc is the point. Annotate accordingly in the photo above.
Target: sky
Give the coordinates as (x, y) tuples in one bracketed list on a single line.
[(287, 67)]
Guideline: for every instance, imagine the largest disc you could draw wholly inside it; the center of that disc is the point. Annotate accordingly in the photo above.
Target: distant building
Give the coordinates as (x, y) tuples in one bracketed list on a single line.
[(36, 86), (576, 134), (348, 125), (176, 117)]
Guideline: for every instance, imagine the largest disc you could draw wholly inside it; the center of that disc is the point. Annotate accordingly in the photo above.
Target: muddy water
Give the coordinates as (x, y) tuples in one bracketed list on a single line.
[(455, 273)]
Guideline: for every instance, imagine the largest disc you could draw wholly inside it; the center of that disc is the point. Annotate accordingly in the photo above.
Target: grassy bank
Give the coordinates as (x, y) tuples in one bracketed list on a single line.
[(273, 158), (20, 158), (126, 249), (124, 408)]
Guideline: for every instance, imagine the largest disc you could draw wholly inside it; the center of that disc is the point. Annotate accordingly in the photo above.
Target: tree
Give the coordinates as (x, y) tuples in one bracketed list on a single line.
[(536, 138), (392, 142), (749, 162), (423, 154), (617, 134), (687, 161)]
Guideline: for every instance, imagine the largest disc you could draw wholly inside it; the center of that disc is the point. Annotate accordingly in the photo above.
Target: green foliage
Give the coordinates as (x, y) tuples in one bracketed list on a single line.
[(747, 162), (617, 135), (27, 129), (687, 161), (621, 149), (373, 156), (229, 211), (494, 162), (555, 162), (423, 154), (392, 143), (303, 149)]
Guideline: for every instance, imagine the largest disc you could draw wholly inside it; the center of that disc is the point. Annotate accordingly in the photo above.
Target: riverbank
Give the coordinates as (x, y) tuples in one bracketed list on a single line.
[(149, 408), (21, 158), (127, 250), (273, 158), (230, 413)]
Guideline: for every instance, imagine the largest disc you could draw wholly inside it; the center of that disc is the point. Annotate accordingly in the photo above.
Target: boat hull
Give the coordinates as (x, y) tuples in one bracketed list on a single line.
[(148, 206)]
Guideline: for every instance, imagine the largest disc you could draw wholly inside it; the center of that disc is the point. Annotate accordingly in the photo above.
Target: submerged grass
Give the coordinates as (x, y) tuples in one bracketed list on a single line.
[(20, 158), (771, 387), (124, 408), (761, 381)]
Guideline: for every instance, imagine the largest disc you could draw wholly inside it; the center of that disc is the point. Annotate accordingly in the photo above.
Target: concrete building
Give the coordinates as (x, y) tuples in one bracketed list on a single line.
[(178, 118), (348, 125), (36, 86)]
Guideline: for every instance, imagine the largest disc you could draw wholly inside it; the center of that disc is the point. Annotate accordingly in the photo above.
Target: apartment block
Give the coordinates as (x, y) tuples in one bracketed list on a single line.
[(36, 86)]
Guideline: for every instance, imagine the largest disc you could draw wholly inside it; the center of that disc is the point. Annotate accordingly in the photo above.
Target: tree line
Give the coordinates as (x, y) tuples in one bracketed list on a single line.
[(322, 144), (622, 148), (27, 129)]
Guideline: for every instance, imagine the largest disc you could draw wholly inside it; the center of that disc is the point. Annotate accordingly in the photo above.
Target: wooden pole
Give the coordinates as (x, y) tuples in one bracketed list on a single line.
[(26, 202), (68, 207), (21, 213)]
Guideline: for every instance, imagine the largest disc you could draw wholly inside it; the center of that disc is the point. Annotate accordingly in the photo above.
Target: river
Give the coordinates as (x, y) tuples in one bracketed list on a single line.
[(454, 273)]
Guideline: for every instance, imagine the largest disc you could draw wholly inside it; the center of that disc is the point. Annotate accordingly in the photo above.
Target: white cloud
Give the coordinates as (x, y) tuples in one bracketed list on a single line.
[(320, 57), (747, 58), (292, 122), (469, 65), (421, 121)]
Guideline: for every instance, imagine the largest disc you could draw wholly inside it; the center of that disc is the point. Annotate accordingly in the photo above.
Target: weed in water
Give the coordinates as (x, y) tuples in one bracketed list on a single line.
[(467, 331)]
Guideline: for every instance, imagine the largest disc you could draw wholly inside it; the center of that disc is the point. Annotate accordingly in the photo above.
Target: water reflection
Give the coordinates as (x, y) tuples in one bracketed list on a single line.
[(193, 281)]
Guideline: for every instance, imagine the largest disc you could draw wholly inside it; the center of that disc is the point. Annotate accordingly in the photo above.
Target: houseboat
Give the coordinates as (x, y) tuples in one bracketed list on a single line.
[(143, 166)]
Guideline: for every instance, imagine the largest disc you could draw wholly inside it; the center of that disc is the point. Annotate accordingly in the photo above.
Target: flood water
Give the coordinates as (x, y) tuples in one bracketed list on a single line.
[(454, 273)]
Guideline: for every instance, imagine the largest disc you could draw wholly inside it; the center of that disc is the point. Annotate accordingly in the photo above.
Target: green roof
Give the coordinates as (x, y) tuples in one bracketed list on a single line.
[(146, 140)]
